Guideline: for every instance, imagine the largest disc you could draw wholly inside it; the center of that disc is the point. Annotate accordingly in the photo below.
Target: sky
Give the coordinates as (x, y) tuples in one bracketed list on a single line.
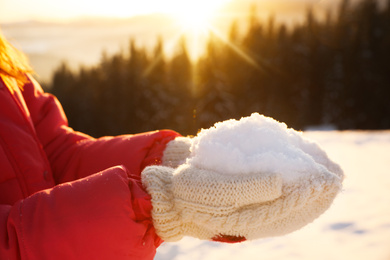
[(53, 9), (17, 10), (12, 10)]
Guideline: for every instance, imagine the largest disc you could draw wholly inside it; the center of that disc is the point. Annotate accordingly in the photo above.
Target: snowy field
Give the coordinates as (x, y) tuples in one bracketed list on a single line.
[(357, 226)]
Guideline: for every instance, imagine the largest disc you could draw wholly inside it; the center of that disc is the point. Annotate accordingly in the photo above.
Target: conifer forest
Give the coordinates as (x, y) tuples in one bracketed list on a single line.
[(323, 71)]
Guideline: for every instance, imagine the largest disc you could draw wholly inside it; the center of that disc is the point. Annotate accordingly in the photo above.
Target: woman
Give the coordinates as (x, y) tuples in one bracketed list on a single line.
[(64, 194)]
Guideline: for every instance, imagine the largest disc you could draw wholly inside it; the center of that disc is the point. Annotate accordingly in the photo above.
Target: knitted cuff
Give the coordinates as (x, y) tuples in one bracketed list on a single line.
[(176, 152), (157, 181)]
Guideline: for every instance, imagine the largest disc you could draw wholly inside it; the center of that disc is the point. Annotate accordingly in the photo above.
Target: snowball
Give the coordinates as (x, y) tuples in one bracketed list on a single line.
[(258, 144)]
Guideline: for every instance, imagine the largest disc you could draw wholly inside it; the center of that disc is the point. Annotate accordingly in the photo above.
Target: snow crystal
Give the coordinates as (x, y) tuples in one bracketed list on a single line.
[(258, 144)]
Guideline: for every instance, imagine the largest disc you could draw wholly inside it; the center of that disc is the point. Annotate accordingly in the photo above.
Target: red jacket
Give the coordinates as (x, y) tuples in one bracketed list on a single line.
[(66, 195)]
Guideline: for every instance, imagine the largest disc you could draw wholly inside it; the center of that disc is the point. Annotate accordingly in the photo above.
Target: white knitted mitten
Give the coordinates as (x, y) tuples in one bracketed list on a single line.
[(177, 151), (189, 201)]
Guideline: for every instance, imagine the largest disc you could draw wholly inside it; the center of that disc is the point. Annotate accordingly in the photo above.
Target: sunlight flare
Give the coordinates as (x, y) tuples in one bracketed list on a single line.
[(248, 59), (195, 15)]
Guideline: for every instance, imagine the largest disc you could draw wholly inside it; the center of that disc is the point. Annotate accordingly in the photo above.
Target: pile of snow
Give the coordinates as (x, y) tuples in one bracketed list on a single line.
[(258, 144)]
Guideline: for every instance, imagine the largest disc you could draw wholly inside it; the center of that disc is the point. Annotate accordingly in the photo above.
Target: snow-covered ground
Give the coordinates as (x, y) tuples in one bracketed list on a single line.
[(357, 226)]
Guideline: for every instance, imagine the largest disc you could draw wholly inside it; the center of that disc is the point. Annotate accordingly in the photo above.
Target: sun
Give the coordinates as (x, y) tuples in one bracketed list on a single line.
[(196, 19), (195, 14)]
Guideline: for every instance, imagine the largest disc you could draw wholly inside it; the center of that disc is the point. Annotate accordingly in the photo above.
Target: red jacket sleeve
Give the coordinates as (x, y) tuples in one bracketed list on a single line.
[(74, 155), (87, 215), (97, 217)]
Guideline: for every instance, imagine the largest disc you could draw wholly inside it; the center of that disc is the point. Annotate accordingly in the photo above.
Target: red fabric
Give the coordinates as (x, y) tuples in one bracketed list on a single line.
[(62, 193)]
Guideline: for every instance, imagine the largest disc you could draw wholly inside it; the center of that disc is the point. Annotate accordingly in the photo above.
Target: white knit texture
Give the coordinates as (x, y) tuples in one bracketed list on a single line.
[(177, 151), (190, 201)]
